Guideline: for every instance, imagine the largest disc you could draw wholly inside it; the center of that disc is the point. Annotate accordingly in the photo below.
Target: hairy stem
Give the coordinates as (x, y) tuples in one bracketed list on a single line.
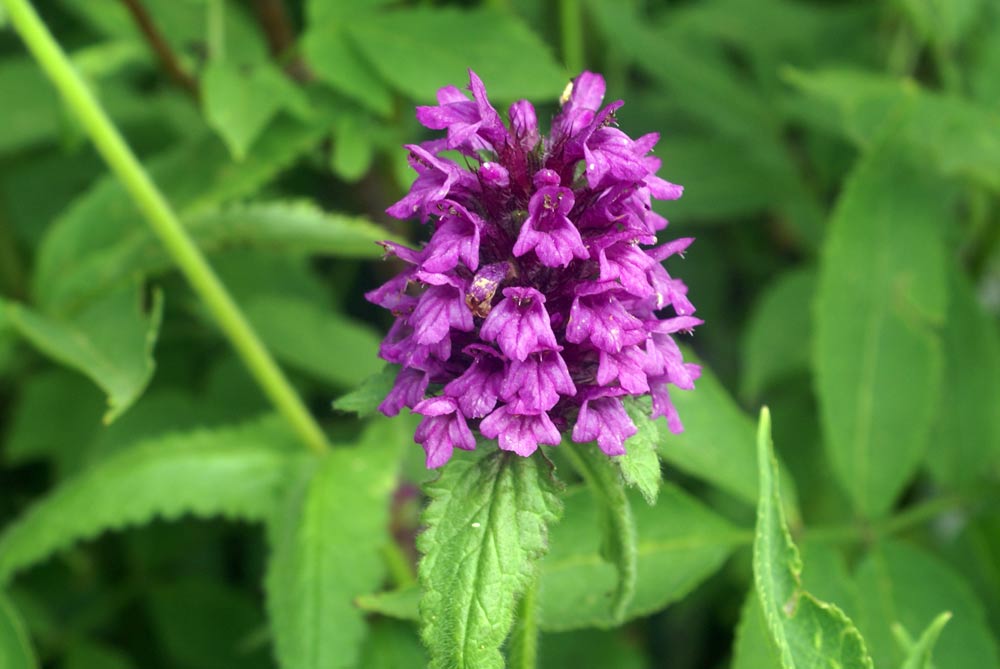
[(168, 59), (164, 222), (523, 653)]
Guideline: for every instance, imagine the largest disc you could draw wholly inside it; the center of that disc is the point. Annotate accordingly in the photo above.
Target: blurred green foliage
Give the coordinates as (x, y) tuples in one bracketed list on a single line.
[(841, 164)]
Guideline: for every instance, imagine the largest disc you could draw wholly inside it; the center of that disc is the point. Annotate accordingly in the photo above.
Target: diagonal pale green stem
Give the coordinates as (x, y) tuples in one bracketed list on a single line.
[(164, 221)]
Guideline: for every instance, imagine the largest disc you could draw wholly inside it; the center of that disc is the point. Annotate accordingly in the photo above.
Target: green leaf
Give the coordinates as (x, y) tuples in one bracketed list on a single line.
[(286, 227), (335, 60), (392, 644), (234, 472), (754, 648), (196, 177), (681, 542), (966, 437), (326, 550), (717, 442), (919, 653), (353, 147), (321, 342), (364, 399), (777, 340), (31, 433), (881, 298), (640, 466), (111, 342), (943, 22), (950, 134), (486, 529), (37, 116), (419, 50), (15, 647), (807, 631), (900, 584), (240, 101), (89, 655), (619, 537)]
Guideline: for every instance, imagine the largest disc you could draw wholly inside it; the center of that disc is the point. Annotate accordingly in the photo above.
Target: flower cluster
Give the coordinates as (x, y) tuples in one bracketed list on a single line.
[(533, 309)]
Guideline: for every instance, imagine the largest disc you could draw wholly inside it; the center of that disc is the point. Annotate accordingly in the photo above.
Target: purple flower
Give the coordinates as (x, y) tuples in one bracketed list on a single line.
[(540, 302), (442, 428)]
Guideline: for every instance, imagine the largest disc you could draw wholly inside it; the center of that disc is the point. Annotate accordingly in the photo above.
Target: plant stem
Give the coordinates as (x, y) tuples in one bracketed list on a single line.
[(168, 59), (523, 652), (164, 222), (400, 569), (571, 29)]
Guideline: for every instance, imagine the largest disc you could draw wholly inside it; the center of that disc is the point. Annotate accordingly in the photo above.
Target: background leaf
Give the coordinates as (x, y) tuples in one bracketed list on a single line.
[(234, 472), (681, 543), (326, 550), (421, 49), (111, 342), (15, 648), (880, 300), (486, 528)]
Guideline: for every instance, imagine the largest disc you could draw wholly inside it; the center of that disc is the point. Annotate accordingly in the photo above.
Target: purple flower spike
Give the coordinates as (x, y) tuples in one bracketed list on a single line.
[(541, 302)]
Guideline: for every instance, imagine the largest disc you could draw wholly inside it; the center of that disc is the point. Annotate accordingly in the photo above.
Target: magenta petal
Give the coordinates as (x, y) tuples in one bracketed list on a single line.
[(442, 429), (520, 433), (519, 324), (605, 420)]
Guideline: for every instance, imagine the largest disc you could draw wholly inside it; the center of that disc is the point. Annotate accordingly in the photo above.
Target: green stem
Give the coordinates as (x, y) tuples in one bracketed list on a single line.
[(400, 570), (523, 652), (164, 222), (216, 30), (571, 29)]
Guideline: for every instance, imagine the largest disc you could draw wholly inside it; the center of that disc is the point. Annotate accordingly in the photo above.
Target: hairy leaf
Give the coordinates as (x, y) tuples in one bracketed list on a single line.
[(234, 472), (486, 529), (640, 466), (15, 647), (510, 59), (681, 543), (881, 298), (326, 550), (619, 542), (111, 342), (808, 632)]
